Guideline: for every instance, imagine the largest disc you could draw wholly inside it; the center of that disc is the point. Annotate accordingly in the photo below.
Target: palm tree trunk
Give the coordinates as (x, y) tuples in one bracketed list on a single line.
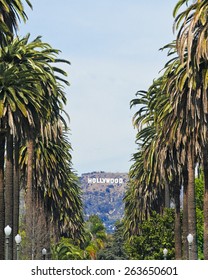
[(16, 192), (191, 200), (205, 167), (167, 195), (29, 198), (2, 203), (42, 232), (177, 230), (167, 189), (185, 214), (9, 189)]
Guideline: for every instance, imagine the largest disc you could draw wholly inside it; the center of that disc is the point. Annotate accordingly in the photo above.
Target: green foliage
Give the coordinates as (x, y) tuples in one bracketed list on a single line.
[(23, 245), (12, 13), (156, 234), (114, 249), (199, 186), (95, 236), (67, 250), (95, 225)]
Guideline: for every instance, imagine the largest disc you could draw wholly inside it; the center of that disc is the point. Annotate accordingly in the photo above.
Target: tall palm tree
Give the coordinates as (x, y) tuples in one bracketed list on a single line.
[(55, 179), (176, 130), (157, 160), (13, 87), (181, 130), (10, 13), (192, 39), (55, 191), (45, 127), (146, 185), (173, 134), (27, 81), (185, 129)]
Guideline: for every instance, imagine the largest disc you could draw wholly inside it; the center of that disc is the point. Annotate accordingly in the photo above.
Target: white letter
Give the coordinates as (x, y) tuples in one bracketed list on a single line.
[(120, 181)]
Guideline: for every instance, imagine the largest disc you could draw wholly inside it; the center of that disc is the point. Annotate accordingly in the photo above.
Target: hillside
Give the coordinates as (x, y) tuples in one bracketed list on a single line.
[(103, 194)]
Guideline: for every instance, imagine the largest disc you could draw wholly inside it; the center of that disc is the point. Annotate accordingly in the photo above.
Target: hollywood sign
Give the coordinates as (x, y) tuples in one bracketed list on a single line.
[(105, 181)]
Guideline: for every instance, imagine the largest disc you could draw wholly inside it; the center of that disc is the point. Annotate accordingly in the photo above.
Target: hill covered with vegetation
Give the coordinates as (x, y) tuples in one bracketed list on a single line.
[(102, 194)]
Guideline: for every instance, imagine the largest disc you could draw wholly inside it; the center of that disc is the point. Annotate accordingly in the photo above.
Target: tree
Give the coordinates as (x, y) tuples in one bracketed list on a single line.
[(67, 250), (155, 173), (34, 103), (199, 184), (191, 25), (11, 13), (115, 247), (146, 186), (14, 85), (95, 236), (167, 133), (46, 135), (156, 233)]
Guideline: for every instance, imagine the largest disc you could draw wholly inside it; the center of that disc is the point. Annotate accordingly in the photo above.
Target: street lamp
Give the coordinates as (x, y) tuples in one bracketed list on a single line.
[(190, 239), (165, 252), (18, 239), (7, 231), (44, 252)]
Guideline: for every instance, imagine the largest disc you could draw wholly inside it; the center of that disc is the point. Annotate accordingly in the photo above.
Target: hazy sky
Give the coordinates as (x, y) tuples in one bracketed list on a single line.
[(113, 47)]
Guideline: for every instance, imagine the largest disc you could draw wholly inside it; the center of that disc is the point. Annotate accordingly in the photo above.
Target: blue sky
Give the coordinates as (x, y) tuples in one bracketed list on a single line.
[(113, 47)]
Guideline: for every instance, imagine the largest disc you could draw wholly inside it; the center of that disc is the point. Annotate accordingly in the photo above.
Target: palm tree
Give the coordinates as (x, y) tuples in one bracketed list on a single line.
[(170, 140), (13, 87), (56, 193), (158, 160), (27, 82), (45, 128), (192, 39), (55, 179), (11, 12), (179, 125), (184, 130), (147, 186)]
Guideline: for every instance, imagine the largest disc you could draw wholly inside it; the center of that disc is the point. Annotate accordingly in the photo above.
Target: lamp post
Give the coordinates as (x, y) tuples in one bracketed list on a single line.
[(190, 239), (7, 231), (44, 252), (18, 239), (165, 252)]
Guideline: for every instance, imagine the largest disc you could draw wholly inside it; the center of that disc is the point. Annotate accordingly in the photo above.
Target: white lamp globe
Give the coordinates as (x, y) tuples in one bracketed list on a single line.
[(44, 251), (190, 238), (7, 230), (18, 239), (165, 252)]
